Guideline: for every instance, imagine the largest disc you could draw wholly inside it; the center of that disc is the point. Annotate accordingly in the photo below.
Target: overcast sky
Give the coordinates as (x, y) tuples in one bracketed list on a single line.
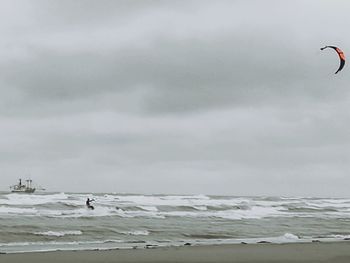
[(211, 97)]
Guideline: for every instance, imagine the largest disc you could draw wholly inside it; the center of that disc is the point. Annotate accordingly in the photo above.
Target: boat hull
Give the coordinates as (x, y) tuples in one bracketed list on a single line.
[(26, 191)]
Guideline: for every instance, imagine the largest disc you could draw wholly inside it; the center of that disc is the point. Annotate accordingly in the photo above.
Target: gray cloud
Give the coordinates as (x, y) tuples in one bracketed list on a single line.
[(231, 97)]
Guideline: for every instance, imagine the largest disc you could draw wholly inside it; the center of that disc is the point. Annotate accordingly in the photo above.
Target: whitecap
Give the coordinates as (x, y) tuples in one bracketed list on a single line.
[(148, 208), (136, 233), (59, 233)]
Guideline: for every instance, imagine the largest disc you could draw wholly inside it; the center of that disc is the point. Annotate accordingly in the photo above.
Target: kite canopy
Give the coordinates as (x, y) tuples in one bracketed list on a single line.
[(340, 54)]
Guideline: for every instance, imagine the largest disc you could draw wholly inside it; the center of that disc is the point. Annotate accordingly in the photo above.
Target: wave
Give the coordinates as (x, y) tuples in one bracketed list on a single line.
[(255, 212), (5, 210), (50, 243), (31, 199), (225, 239), (154, 201), (59, 233), (136, 233), (162, 206), (208, 236), (311, 210), (195, 239), (148, 208)]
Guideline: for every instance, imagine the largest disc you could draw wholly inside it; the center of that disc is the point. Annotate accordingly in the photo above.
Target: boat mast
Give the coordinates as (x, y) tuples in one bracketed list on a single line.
[(29, 183)]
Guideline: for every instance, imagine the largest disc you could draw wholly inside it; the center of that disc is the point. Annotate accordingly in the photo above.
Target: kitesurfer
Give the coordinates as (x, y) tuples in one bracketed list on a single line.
[(88, 205)]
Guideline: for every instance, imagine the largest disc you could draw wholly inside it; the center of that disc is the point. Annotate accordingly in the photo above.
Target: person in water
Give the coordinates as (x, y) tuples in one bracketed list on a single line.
[(88, 203)]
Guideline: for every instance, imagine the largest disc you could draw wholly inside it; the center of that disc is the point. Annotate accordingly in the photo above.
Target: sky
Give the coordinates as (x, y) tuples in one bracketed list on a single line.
[(175, 97)]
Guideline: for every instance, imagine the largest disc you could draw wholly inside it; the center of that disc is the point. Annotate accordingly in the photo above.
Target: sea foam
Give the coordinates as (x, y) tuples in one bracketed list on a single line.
[(59, 233)]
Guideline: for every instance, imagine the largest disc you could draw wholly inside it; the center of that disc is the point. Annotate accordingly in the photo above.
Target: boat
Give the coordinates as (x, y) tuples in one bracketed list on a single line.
[(23, 188)]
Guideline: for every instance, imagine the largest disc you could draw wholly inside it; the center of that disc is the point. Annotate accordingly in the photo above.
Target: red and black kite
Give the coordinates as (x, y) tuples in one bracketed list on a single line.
[(340, 54)]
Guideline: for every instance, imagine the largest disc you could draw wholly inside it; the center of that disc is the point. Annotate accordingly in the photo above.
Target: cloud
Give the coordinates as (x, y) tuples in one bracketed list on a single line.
[(155, 92)]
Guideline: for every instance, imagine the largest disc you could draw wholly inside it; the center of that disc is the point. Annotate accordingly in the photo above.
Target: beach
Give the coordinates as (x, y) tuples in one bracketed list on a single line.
[(335, 252)]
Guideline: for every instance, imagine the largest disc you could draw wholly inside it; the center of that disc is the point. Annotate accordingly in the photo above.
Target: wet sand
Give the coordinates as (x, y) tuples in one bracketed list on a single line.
[(338, 252)]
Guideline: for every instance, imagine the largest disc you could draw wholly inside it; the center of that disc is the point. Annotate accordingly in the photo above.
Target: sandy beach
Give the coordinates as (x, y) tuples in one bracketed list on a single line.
[(337, 252)]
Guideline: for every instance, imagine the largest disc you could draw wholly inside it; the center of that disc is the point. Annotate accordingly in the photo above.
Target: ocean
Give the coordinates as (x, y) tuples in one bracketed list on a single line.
[(61, 221)]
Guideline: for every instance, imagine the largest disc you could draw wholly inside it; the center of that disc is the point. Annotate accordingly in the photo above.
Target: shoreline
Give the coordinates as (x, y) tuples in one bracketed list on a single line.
[(338, 252), (150, 245), (145, 246)]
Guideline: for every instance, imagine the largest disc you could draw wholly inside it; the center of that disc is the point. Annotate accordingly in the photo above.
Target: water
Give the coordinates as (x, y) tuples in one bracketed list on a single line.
[(61, 221)]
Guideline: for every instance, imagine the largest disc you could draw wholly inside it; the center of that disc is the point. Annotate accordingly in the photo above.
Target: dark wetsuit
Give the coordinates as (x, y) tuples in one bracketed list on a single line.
[(88, 201)]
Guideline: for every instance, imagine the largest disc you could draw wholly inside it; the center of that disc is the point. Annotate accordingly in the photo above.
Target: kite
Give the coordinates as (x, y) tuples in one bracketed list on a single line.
[(340, 54)]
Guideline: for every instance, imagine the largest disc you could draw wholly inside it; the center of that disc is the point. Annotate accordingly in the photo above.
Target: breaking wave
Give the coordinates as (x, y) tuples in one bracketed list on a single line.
[(62, 220), (59, 233), (158, 206)]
